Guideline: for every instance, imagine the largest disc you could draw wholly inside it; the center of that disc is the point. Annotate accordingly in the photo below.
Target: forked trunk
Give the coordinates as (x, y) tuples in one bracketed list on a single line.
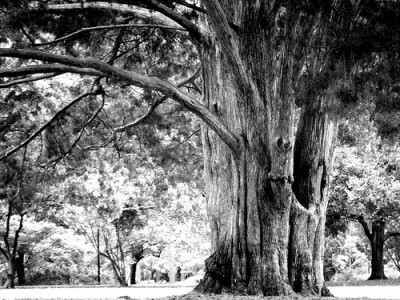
[(313, 155), (119, 273), (377, 248), (377, 240), (256, 222)]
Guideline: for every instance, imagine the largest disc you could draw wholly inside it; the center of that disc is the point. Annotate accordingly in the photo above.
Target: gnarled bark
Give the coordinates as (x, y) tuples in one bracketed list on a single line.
[(249, 190), (313, 155)]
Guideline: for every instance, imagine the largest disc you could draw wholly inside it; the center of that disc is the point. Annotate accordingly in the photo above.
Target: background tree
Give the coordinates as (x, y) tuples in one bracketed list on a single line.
[(372, 196), (21, 179), (365, 187), (56, 255)]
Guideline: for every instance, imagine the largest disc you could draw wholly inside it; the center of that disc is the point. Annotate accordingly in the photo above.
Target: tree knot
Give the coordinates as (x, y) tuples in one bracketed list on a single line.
[(280, 178), (283, 144)]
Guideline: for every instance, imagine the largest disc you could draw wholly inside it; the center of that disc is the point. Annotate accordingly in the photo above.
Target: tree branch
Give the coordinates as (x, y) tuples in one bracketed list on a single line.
[(192, 6), (365, 227), (173, 15), (26, 80), (4, 253), (43, 127), (389, 234), (394, 258), (231, 140), (87, 29), (154, 105), (126, 8), (48, 68), (185, 140), (17, 232), (76, 141), (7, 232)]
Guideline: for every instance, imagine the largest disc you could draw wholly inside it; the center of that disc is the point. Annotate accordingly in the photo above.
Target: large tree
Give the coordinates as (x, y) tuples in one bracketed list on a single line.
[(266, 189)]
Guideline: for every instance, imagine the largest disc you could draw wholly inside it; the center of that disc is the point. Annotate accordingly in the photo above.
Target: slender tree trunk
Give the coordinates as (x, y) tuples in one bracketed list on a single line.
[(98, 257), (20, 268), (133, 273), (119, 273), (377, 249), (11, 274)]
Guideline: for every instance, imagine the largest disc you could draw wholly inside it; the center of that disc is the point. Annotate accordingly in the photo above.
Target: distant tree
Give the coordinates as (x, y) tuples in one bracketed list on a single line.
[(56, 255), (367, 190), (24, 183)]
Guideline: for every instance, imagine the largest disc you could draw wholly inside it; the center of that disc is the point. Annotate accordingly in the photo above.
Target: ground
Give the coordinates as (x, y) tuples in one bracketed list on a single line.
[(196, 296), (345, 290)]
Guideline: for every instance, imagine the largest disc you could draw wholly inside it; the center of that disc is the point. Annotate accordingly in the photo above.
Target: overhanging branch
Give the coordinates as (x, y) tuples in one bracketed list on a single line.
[(48, 68), (154, 83), (126, 8), (154, 105), (173, 15)]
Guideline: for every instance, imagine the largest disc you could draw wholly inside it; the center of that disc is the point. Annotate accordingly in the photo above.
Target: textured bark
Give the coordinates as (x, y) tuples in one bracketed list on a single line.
[(267, 234), (313, 155), (249, 191)]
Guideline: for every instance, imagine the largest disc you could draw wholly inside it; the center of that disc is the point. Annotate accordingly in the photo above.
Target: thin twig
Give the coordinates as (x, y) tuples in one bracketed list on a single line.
[(156, 103), (185, 140), (55, 160), (47, 124)]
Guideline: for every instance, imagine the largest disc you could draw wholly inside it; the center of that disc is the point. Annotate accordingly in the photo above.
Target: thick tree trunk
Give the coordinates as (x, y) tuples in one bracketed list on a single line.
[(313, 155), (377, 239), (249, 189), (377, 248), (257, 224)]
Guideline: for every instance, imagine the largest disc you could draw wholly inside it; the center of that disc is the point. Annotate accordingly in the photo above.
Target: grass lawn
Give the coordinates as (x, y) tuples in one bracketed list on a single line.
[(347, 290)]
